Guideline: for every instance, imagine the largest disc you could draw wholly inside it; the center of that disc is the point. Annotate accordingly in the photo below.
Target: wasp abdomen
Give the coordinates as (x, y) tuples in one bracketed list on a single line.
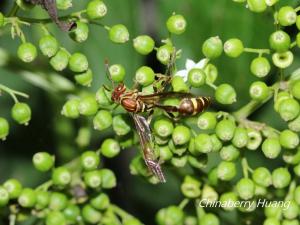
[(193, 106)]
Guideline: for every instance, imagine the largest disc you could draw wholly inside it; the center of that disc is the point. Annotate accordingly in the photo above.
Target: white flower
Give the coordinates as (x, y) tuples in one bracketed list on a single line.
[(190, 64)]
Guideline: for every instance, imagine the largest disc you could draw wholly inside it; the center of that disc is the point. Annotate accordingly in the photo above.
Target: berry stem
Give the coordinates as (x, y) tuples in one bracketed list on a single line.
[(13, 10), (120, 212), (212, 85), (12, 92), (12, 219), (245, 167), (293, 44), (297, 9), (183, 203), (258, 51)]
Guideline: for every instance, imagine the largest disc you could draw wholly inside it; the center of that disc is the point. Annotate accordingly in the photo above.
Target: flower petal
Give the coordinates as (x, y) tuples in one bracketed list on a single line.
[(201, 63), (189, 64), (183, 74)]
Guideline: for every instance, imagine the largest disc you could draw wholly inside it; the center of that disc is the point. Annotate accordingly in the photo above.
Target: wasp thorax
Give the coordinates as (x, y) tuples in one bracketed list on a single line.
[(117, 92)]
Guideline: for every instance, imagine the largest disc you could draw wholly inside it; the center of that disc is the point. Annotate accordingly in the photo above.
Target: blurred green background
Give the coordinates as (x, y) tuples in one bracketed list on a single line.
[(49, 131)]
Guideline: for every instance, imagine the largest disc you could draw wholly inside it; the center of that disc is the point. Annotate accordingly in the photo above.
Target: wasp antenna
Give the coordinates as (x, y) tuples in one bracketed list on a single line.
[(106, 63)]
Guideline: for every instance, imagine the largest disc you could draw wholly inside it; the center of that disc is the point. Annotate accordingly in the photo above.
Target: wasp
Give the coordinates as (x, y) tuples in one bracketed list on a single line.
[(136, 102)]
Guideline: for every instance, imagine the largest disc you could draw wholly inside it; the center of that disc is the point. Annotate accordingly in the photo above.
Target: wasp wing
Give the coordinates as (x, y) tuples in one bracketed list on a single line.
[(156, 97), (146, 141)]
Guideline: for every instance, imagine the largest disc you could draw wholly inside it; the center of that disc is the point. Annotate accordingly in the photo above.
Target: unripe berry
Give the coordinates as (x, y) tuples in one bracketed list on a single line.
[(55, 218), (164, 53), (292, 211), (259, 91), (145, 76), (271, 148), (78, 63), (207, 121), (228, 197), (260, 67), (229, 153), (257, 5), (43, 161), (42, 199), (209, 219), (196, 77), (280, 97), (48, 45), (96, 9), (296, 89), (27, 198), (280, 41), (245, 188), (21, 113), (70, 108), (63, 4), (217, 144), (89, 160), (225, 94), (225, 129), (85, 79), (254, 139), (102, 120), (163, 127), (71, 213), (240, 138), (143, 44), (181, 135), (108, 179), (118, 34), (27, 52), (117, 72), (103, 97), (4, 128), (226, 170), (13, 187), (203, 143), (121, 125), (233, 47), (58, 201), (100, 202), (289, 109), (92, 179), (191, 187), (212, 48), (271, 2), (61, 176), (110, 148), (4, 197), (176, 24), (289, 139), (80, 33), (171, 215), (211, 72), (262, 177), (271, 221), (179, 85), (88, 106), (281, 177), (286, 16), (283, 60), (60, 61)]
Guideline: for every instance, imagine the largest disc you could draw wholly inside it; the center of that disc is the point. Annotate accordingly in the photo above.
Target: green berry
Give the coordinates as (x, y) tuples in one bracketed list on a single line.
[(227, 197), (110, 148), (121, 125), (181, 135), (145, 76), (271, 148), (4, 197), (27, 198), (117, 72), (118, 34), (88, 106), (78, 63), (60, 61), (260, 67), (196, 77), (58, 201), (297, 195), (209, 219), (13, 187), (172, 215), (245, 188), (165, 154), (280, 97), (21, 113), (96, 9), (143, 44), (297, 170), (225, 94), (91, 215), (209, 194), (212, 48), (211, 72), (254, 139), (70, 108), (229, 153), (207, 121), (80, 33), (100, 202), (131, 221), (225, 129), (84, 79), (217, 144), (102, 120), (296, 89), (226, 170), (292, 211), (176, 24), (27, 52), (191, 187), (257, 5), (42, 199), (203, 143), (55, 218), (103, 97), (61, 176), (43, 161), (179, 85), (271, 2), (286, 16), (48, 45), (259, 91), (240, 137), (289, 139), (271, 221), (108, 178), (1, 19), (290, 222), (63, 4), (4, 128), (273, 212), (72, 213), (179, 161), (92, 178), (89, 160), (289, 109), (281, 177), (164, 53), (163, 127), (262, 177), (233, 47), (280, 41), (283, 59)]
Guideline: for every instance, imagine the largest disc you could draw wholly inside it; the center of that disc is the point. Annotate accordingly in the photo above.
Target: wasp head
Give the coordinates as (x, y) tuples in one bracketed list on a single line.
[(117, 92)]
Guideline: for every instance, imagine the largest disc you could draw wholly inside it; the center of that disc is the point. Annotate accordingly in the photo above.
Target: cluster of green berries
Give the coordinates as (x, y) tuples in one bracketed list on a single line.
[(20, 112)]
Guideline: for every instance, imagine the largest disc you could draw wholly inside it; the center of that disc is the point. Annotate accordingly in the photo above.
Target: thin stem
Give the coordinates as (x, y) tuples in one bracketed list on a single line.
[(12, 219), (290, 193), (212, 85), (183, 203), (120, 212), (293, 44), (258, 51), (12, 92), (245, 167), (297, 9), (14, 10)]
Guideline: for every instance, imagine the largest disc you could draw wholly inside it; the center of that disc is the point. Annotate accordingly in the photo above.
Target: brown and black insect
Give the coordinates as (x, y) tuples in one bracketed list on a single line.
[(136, 102)]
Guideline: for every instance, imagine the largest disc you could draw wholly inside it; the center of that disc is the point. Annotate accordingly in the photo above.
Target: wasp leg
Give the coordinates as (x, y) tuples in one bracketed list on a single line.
[(161, 80), (155, 169)]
